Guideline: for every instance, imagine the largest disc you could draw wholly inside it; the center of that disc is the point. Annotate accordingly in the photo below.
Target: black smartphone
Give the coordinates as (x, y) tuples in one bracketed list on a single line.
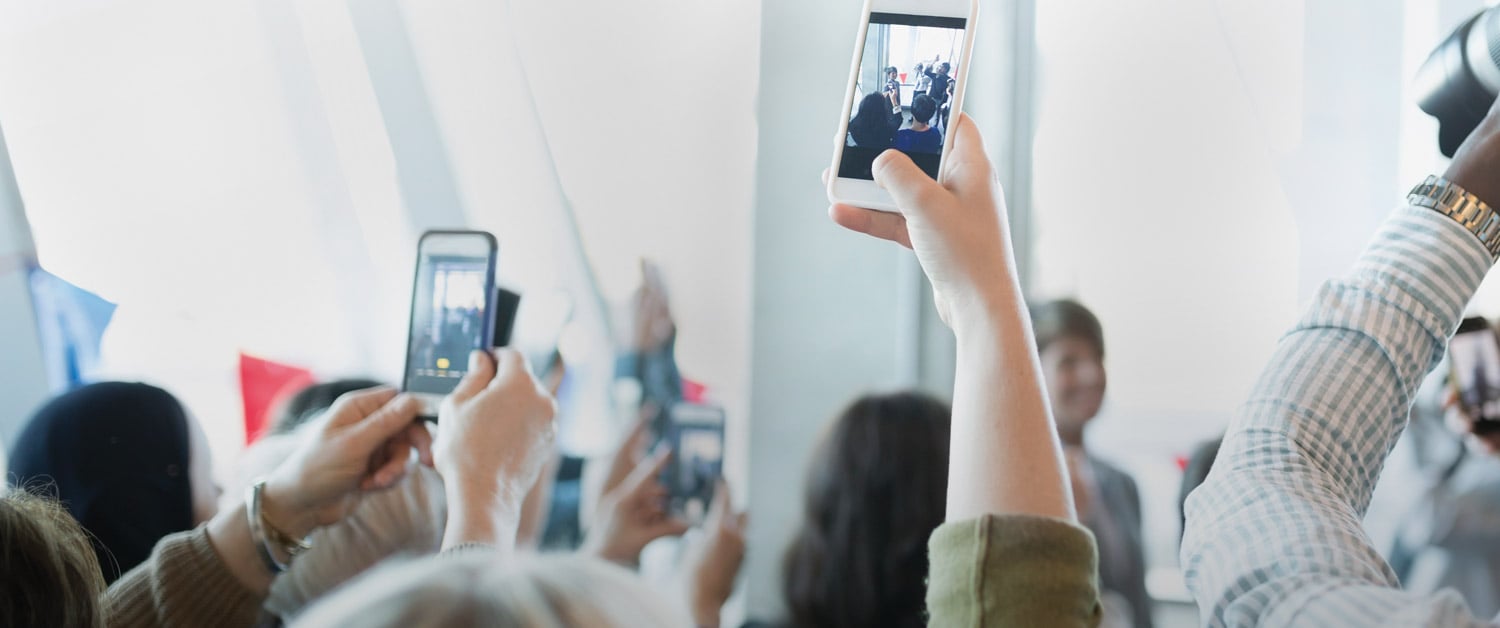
[(1474, 353), (696, 434), (540, 321), (452, 312)]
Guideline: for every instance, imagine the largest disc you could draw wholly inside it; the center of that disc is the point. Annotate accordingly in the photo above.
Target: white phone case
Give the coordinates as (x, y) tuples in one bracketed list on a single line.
[(866, 194)]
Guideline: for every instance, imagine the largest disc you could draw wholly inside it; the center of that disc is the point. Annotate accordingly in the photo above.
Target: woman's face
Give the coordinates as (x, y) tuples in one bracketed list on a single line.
[(1074, 371), (201, 474)]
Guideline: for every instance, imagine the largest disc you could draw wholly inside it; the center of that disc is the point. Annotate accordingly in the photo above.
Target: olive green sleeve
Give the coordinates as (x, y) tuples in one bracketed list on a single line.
[(1012, 570)]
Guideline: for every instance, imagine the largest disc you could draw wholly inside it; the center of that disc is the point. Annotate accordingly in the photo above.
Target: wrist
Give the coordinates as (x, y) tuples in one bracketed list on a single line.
[(984, 315), (281, 508), (705, 613), (482, 512)]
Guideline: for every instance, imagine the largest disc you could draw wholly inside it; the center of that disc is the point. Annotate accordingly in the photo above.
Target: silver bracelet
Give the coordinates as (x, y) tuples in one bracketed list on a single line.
[(1469, 211), (258, 531)]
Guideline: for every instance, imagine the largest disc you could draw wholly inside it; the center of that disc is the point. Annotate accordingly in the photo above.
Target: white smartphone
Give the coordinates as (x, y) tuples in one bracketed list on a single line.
[(906, 87), (452, 312)]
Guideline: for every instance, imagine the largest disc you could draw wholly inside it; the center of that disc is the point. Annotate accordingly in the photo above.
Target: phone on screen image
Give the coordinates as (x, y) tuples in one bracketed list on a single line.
[(695, 433), (906, 88), (1474, 356), (452, 312)]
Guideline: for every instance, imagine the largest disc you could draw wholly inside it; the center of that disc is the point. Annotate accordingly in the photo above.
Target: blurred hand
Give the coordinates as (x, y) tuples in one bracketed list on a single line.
[(1476, 165), (494, 436), (363, 444), (1459, 421), (649, 320), (957, 229), (714, 562), (633, 515), (630, 452)]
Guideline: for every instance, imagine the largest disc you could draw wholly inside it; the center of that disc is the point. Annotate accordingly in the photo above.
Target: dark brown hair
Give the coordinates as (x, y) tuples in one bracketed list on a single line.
[(876, 489), (49, 575), (1065, 318)]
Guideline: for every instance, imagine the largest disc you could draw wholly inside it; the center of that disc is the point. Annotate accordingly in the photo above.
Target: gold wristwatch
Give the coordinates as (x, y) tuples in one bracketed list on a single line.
[(1445, 197)]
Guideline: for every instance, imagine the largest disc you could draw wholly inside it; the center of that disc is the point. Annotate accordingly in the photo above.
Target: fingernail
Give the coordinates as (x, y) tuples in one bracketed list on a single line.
[(473, 360)]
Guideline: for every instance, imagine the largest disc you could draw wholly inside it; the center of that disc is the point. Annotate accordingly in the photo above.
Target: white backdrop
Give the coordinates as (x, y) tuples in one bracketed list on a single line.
[(252, 175)]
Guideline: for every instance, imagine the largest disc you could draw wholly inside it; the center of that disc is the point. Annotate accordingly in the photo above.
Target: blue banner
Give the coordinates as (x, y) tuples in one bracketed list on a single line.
[(70, 325)]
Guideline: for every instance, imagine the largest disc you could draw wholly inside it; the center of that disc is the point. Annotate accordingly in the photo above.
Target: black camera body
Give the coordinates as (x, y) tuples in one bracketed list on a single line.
[(1460, 80)]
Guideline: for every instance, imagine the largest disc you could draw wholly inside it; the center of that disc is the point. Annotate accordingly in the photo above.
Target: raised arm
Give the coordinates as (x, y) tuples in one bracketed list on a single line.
[(1274, 535), (1011, 553)]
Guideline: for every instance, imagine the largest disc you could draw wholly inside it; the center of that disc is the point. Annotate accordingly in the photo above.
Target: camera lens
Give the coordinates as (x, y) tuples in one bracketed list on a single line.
[(1461, 79)]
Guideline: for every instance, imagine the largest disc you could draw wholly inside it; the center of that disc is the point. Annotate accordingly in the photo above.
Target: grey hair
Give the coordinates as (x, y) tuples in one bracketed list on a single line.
[(487, 588)]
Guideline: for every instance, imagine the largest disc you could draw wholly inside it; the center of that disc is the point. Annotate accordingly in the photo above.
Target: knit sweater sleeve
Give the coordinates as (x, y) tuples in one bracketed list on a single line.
[(1012, 570), (183, 583)]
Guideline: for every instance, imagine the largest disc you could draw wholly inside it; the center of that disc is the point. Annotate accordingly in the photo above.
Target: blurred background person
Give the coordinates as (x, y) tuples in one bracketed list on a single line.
[(128, 463), (1439, 503), (314, 400), (1070, 341), (876, 489)]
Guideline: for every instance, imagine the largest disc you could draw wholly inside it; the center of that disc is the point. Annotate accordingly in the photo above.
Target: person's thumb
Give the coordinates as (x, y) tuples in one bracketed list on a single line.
[(391, 419), (911, 188), (646, 473), (481, 371), (720, 511)]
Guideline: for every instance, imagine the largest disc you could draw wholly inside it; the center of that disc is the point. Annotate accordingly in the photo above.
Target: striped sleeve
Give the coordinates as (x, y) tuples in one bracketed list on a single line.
[(1274, 535)]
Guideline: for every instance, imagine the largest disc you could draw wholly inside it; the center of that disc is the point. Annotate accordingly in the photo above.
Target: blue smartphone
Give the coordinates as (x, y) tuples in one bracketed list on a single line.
[(452, 312)]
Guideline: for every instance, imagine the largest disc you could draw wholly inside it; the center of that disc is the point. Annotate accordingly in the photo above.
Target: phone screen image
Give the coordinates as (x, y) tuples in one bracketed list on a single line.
[(697, 440), (1475, 357), (448, 321), (903, 94)]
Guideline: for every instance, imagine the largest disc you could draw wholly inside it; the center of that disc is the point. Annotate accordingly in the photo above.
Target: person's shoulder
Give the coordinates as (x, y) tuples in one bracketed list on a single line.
[(1104, 469)]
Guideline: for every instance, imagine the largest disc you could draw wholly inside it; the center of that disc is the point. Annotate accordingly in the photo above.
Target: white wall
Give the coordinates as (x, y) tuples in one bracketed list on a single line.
[(252, 175)]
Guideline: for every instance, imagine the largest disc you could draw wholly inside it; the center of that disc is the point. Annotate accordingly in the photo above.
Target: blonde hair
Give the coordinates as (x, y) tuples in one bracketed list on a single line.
[(49, 575), (483, 587)]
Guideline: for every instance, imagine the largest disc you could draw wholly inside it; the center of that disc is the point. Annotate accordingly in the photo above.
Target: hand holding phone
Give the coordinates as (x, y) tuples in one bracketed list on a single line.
[(957, 229), (898, 33), (452, 312), (1474, 357)]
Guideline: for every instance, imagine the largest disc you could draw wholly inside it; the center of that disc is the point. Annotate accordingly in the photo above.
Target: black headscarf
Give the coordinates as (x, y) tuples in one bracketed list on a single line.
[(117, 455)]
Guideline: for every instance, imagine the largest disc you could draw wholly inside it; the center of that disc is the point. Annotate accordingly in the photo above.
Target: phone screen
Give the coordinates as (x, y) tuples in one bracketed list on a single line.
[(449, 313), (903, 94), (697, 438), (1475, 358)]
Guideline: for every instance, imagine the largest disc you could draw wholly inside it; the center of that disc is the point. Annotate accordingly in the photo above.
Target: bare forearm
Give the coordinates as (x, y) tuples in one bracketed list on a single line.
[(1005, 457), (487, 515)]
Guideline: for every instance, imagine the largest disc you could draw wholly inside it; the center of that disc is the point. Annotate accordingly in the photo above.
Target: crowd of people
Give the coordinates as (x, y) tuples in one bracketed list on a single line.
[(989, 511), (881, 120)]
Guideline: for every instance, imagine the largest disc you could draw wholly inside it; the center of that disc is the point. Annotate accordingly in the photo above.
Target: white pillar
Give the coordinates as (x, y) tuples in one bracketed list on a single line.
[(23, 380)]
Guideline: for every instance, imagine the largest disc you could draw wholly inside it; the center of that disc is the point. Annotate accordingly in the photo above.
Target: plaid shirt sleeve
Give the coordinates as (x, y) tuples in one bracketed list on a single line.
[(1274, 535)]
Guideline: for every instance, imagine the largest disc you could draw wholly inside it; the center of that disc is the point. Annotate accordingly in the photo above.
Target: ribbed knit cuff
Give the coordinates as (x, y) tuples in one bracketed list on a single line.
[(184, 583), (1012, 570)]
